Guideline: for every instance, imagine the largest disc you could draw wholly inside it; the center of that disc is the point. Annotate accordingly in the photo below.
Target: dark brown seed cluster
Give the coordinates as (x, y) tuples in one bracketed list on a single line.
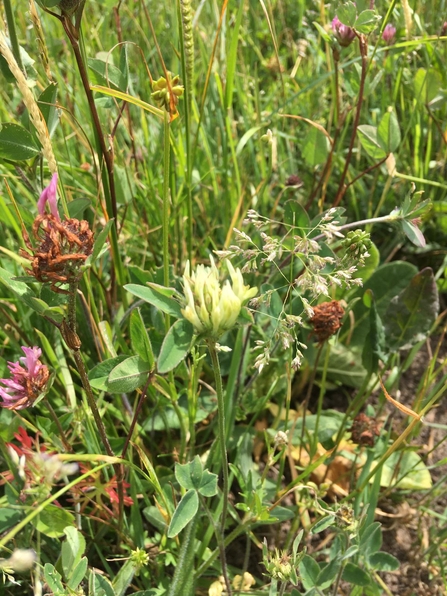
[(62, 248), (326, 320), (364, 430)]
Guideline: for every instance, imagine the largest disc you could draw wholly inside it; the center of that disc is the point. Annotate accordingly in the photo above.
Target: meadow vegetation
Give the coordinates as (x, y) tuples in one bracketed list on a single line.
[(223, 278)]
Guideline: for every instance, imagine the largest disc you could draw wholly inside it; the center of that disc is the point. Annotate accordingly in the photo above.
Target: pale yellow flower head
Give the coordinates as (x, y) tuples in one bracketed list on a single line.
[(210, 306)]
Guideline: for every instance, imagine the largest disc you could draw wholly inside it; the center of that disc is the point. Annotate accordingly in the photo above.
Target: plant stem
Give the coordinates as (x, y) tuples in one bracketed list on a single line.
[(183, 575), (135, 416), (223, 453), (73, 343), (167, 151), (364, 53), (56, 421), (15, 47), (105, 153), (238, 530), (308, 394)]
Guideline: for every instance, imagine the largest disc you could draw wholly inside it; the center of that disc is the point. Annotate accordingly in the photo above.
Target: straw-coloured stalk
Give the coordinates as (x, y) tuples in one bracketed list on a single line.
[(408, 17), (31, 104)]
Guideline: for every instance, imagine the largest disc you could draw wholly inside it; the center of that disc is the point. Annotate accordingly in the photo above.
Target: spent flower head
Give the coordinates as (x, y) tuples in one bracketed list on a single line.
[(29, 379), (62, 245), (210, 306)]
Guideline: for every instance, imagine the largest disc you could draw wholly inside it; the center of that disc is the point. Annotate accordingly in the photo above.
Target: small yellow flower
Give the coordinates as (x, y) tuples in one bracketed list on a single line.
[(211, 307), (243, 583)]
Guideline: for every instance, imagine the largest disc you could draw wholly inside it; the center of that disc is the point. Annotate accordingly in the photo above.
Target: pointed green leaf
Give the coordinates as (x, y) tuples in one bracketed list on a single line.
[(411, 313), (53, 520), (185, 511), (128, 375), (388, 132), (347, 13), (175, 346), (328, 574), (323, 523), (16, 143), (47, 105), (208, 484), (413, 233), (355, 575), (367, 21), (316, 147), (78, 574), (164, 303), (141, 343), (99, 241), (309, 570), (99, 374), (369, 141), (72, 550), (383, 562), (189, 475), (53, 579)]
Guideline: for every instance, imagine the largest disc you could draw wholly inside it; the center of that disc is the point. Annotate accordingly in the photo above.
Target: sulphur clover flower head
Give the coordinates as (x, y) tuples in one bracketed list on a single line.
[(49, 195), (344, 34), (210, 306), (29, 379)]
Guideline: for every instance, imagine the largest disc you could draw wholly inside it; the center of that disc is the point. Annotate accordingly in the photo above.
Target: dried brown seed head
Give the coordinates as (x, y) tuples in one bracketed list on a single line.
[(326, 320)]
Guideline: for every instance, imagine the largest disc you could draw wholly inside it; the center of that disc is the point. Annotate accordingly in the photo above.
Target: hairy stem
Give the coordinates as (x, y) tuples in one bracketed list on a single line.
[(223, 454), (73, 343), (364, 54), (166, 209)]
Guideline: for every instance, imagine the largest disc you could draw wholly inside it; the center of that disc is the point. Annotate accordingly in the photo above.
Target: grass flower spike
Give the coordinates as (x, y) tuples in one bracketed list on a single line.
[(211, 307), (26, 383)]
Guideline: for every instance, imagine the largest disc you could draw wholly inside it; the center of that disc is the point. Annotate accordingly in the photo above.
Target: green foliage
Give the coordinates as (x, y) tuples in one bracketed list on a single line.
[(152, 459)]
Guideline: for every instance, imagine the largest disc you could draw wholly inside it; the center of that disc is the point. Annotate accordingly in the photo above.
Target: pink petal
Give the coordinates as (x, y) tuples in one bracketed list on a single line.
[(49, 194), (32, 355)]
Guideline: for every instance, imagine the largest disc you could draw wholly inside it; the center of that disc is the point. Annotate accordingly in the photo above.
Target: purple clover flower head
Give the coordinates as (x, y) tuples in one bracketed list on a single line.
[(389, 34), (49, 194), (345, 35), (26, 383)]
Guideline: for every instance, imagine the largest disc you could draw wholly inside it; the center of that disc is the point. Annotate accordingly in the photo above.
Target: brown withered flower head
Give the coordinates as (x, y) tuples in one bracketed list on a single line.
[(326, 320), (61, 246), (364, 430)]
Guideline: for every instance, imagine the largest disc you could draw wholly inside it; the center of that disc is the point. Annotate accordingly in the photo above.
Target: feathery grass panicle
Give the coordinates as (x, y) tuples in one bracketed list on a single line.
[(30, 102)]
